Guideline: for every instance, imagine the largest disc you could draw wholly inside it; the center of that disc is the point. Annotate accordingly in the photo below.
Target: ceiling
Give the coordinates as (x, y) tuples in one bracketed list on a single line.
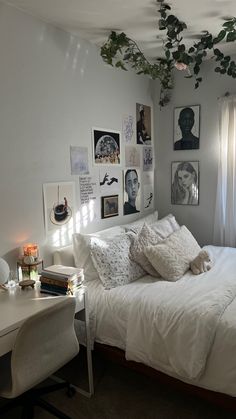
[(94, 19)]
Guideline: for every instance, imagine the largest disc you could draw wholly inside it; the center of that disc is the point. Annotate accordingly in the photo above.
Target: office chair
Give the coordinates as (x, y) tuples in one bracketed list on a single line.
[(45, 342)]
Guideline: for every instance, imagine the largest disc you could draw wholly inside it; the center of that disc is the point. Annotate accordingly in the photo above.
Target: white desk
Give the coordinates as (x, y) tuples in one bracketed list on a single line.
[(16, 305)]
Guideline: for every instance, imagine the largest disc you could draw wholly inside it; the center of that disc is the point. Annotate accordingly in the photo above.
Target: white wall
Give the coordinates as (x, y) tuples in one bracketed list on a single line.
[(53, 89), (199, 219)]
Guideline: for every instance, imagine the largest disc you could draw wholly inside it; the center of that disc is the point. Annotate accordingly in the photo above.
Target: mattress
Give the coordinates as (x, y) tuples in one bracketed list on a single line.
[(110, 311)]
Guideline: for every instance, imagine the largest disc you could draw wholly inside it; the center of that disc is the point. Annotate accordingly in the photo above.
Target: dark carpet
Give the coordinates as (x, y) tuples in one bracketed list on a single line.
[(121, 393)]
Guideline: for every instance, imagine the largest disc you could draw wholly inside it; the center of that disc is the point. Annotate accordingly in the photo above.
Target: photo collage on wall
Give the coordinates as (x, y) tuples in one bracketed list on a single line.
[(116, 178), (185, 174)]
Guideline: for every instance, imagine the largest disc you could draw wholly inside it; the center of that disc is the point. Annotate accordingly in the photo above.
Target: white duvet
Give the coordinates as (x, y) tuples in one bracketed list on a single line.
[(184, 315), (186, 329)]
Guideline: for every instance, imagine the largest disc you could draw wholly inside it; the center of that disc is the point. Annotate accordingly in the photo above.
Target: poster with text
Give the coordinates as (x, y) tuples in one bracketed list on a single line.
[(88, 188)]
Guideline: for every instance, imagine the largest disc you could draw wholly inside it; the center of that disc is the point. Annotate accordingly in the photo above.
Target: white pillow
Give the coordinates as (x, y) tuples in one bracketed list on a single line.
[(140, 242), (111, 259), (165, 226), (81, 249), (137, 225), (171, 258)]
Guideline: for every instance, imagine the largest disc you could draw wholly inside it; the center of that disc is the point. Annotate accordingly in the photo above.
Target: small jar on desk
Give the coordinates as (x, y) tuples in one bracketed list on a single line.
[(28, 266)]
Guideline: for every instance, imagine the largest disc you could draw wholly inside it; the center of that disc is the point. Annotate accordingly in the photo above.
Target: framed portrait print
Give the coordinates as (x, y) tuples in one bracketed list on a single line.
[(110, 206), (185, 183), (187, 128), (106, 147)]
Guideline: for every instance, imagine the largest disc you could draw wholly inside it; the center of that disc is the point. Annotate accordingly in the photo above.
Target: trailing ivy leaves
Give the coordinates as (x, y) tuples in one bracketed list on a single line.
[(120, 50)]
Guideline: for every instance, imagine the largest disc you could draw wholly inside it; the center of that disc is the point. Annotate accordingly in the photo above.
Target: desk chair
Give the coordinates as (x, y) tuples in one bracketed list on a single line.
[(45, 342)]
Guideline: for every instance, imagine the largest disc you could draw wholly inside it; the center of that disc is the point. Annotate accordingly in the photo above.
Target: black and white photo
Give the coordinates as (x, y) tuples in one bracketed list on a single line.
[(187, 128), (106, 147), (110, 206), (143, 124), (185, 183), (147, 159), (110, 180), (131, 191)]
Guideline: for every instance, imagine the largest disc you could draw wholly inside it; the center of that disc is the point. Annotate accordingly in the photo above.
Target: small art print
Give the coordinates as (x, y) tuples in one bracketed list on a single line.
[(185, 183), (187, 128), (110, 206), (143, 124), (147, 159), (106, 147)]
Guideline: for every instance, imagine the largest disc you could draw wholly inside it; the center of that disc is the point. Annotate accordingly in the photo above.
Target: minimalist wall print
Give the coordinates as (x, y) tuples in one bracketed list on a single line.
[(88, 188), (143, 124), (131, 191), (109, 206), (106, 147), (148, 197), (79, 160), (148, 190), (110, 180), (132, 156), (147, 158), (185, 183), (128, 128), (59, 203), (187, 128)]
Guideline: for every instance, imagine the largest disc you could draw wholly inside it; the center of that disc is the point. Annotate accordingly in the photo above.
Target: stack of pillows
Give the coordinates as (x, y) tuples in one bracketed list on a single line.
[(123, 254)]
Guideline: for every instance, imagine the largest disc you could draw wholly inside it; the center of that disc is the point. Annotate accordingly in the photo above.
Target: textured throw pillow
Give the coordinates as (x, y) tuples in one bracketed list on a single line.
[(111, 259), (137, 225), (144, 238), (165, 226), (171, 258), (81, 249)]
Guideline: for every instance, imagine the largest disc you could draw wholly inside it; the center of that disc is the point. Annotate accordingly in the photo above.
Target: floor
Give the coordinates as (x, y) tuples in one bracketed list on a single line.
[(126, 394)]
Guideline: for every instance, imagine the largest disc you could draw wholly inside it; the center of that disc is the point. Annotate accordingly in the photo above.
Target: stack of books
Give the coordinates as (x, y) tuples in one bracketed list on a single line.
[(61, 280)]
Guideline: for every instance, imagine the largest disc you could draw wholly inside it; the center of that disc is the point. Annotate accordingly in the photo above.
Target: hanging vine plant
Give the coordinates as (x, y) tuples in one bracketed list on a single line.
[(120, 50)]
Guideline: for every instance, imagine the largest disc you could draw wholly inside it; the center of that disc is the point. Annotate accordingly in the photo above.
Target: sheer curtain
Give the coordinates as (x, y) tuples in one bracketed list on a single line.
[(225, 212)]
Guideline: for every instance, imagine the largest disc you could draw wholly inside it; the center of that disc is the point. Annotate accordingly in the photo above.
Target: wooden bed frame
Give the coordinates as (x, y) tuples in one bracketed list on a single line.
[(116, 355)]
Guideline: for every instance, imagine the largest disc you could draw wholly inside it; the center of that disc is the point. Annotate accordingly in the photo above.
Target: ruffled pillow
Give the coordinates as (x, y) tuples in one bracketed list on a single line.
[(172, 257), (144, 238)]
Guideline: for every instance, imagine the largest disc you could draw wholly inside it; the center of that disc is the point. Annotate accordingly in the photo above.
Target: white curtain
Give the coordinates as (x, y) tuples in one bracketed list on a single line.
[(225, 212)]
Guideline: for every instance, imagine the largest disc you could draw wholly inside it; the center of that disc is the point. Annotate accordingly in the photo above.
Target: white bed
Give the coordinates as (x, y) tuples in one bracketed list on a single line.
[(203, 327)]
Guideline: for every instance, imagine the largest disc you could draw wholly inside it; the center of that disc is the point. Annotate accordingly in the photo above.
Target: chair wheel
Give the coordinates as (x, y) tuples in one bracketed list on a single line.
[(70, 391)]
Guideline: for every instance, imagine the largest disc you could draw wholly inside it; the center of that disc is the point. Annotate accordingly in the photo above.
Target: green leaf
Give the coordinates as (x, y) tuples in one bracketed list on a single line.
[(191, 49), (221, 35), (167, 54), (231, 37), (176, 55)]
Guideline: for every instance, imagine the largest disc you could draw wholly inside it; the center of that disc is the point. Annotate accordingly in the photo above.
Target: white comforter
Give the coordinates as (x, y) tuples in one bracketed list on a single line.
[(114, 323), (184, 315)]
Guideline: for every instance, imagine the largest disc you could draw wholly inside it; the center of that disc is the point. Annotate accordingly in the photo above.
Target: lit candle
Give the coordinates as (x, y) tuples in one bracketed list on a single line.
[(31, 249)]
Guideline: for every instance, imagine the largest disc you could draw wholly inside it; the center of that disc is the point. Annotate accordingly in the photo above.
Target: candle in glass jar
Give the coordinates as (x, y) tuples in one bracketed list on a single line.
[(30, 249)]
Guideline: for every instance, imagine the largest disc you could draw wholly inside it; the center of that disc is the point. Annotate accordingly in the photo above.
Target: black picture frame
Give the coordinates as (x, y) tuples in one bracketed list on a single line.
[(186, 129), (109, 206), (185, 182)]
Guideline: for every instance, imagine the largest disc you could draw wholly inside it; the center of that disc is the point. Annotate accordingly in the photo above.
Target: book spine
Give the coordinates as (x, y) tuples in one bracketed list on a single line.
[(54, 288), (51, 281), (54, 275)]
